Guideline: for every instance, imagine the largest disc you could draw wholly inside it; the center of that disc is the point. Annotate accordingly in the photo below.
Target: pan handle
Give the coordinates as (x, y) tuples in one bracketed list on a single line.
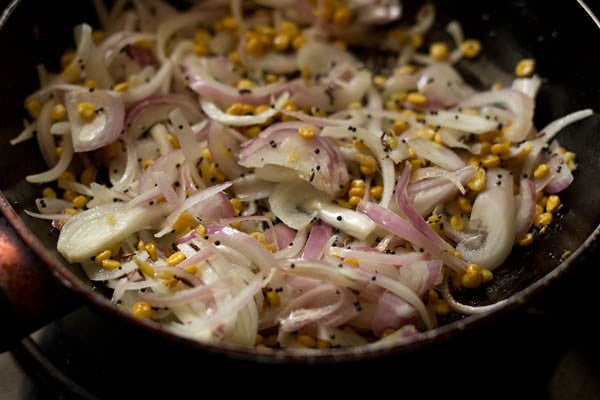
[(30, 297)]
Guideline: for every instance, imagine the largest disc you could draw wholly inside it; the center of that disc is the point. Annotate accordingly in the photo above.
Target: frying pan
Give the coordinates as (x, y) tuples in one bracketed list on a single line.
[(37, 285)]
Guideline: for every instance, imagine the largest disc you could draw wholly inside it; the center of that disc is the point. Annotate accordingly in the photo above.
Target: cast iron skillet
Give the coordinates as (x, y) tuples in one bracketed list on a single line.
[(559, 35)]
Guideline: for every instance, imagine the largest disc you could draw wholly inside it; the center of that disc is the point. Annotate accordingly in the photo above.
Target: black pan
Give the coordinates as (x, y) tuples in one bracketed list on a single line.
[(559, 35)]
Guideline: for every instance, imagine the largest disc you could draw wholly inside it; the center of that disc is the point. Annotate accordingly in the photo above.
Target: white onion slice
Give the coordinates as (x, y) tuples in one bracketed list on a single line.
[(436, 153), (519, 104), (489, 212), (106, 125), (443, 86), (296, 203), (148, 111), (288, 203), (246, 245), (147, 89), (528, 86), (215, 113), (460, 121), (188, 203), (377, 146), (60, 167), (188, 143), (92, 231), (325, 304), (317, 160), (202, 293), (525, 207)]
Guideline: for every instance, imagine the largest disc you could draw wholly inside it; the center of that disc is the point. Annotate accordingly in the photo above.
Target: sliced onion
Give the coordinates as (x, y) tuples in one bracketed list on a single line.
[(215, 208), (198, 74), (49, 205), (329, 98), (288, 203), (213, 112), (436, 153), (528, 86), (550, 130), (60, 167), (425, 19), (167, 164), (460, 121), (413, 229), (392, 312), (373, 259), (164, 185), (188, 143), (229, 310), (560, 174), (435, 187), (443, 86), (317, 160), (224, 146), (297, 203), (97, 273), (400, 81), (489, 212), (251, 187), (525, 207), (393, 286), (202, 293), (169, 27), (246, 245), (280, 235), (92, 231), (60, 128), (294, 247), (122, 176), (26, 133), (324, 304), (45, 139), (51, 217), (546, 134), (317, 240), (520, 105), (106, 125), (320, 58), (111, 47), (148, 88), (88, 58), (380, 13), (147, 112), (188, 203), (377, 146)]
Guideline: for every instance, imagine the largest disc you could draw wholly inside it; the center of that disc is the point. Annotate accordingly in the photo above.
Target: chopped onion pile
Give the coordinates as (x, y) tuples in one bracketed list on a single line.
[(239, 174)]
